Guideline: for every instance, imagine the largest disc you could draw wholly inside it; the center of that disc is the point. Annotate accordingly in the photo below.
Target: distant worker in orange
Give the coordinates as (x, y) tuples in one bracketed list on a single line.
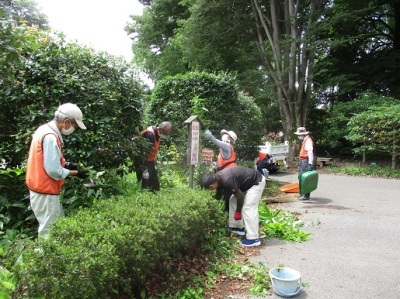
[(262, 160), (147, 173), (306, 156)]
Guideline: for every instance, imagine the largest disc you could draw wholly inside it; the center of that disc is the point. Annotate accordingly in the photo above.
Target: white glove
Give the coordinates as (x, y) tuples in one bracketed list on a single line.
[(208, 134)]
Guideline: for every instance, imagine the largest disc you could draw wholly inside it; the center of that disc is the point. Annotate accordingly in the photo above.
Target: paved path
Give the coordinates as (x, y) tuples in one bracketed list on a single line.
[(354, 249)]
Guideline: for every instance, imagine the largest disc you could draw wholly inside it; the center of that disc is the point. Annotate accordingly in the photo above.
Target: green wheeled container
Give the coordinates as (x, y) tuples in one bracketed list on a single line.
[(308, 181)]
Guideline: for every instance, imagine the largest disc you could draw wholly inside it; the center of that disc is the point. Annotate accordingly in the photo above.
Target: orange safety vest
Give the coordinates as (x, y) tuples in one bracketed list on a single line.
[(154, 151), (303, 153), (261, 156), (222, 163), (37, 178)]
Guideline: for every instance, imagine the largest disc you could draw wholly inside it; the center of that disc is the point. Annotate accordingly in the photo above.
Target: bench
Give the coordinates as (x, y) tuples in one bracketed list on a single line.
[(324, 161)]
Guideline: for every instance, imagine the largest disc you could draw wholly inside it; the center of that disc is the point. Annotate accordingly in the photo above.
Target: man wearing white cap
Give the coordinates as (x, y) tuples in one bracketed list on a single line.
[(306, 155), (46, 167)]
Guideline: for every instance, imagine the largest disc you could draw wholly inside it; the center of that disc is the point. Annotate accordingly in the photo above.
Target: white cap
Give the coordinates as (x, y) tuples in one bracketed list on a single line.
[(230, 133), (72, 111), (301, 131)]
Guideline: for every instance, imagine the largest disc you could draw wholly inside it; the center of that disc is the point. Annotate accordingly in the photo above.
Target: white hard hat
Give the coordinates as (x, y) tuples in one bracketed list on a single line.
[(231, 134)]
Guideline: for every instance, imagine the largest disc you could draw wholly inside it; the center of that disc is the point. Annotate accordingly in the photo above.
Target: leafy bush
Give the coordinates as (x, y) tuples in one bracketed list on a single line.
[(106, 89), (114, 246), (332, 137), (215, 99), (14, 200), (281, 224)]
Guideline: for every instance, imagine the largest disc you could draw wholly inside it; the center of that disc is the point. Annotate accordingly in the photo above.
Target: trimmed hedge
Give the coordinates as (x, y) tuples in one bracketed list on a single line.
[(216, 100), (116, 245)]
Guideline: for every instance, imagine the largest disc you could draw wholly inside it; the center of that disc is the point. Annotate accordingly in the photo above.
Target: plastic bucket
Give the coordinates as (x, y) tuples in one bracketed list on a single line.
[(286, 282)]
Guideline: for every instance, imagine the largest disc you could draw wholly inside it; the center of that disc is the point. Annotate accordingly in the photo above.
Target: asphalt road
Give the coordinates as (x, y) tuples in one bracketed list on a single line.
[(354, 249)]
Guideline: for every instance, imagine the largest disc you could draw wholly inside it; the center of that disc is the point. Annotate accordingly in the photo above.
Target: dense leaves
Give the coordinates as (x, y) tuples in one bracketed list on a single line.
[(336, 127), (24, 12), (216, 101), (361, 40), (114, 247), (176, 38), (105, 88), (377, 129)]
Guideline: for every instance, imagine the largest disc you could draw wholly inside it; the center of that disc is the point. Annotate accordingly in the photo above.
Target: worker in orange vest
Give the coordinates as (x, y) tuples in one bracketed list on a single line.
[(226, 158), (262, 160), (46, 168), (227, 155), (147, 173), (306, 155)]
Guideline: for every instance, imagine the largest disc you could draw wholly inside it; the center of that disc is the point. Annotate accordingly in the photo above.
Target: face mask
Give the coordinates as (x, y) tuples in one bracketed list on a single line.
[(163, 136), (69, 131), (300, 137)]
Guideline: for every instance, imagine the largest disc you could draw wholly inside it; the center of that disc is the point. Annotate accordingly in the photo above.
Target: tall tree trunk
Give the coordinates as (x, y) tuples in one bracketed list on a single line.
[(286, 42)]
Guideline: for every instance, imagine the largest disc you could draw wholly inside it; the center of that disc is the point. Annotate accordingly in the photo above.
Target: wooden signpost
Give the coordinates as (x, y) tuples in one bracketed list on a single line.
[(193, 147)]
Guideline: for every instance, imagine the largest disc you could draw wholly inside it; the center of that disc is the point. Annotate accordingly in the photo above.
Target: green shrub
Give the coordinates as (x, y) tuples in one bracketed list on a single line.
[(114, 246), (105, 88), (14, 200), (216, 100)]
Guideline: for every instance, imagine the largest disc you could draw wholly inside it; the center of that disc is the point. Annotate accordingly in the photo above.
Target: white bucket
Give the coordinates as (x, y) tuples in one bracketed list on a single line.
[(286, 282)]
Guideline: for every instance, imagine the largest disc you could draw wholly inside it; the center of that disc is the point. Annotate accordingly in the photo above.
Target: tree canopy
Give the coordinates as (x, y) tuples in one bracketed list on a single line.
[(361, 42), (24, 12)]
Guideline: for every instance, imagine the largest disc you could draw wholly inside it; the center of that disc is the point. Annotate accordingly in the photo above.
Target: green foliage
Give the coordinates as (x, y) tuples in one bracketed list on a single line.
[(14, 201), (104, 87), (16, 217), (114, 246), (336, 128), (101, 186), (24, 12), (215, 100), (377, 129), (281, 224), (7, 284), (365, 170), (13, 40), (154, 46), (360, 41), (177, 37)]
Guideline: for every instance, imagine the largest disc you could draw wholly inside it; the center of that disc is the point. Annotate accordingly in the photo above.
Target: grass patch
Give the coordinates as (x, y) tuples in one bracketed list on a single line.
[(363, 170)]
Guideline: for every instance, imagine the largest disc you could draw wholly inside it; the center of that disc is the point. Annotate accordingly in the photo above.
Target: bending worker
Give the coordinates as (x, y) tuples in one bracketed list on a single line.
[(247, 186)]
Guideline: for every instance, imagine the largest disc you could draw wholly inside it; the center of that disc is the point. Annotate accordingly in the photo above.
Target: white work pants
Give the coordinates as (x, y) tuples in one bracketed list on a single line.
[(250, 215), (47, 209)]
